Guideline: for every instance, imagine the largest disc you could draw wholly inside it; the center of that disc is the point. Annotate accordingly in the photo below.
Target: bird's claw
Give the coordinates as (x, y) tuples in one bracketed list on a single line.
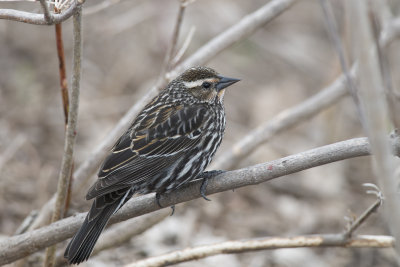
[(206, 175)]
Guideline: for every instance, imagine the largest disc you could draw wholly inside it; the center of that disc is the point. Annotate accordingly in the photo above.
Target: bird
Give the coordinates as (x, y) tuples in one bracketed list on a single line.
[(171, 142)]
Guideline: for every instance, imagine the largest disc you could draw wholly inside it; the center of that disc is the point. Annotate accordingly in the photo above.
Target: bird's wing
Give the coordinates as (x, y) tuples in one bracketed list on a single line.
[(160, 139)]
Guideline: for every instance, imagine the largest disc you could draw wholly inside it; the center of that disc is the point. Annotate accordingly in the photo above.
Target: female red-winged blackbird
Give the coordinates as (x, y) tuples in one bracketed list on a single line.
[(171, 142)]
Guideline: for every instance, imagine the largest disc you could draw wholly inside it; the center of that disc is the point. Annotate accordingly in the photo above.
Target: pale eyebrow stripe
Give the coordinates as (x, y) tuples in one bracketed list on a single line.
[(198, 82)]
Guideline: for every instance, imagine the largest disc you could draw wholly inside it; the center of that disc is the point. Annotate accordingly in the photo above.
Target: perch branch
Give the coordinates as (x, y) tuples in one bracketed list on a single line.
[(17, 247)]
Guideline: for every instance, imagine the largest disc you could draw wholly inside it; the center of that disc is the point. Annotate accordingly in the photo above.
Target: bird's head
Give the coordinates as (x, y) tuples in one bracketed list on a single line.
[(205, 84)]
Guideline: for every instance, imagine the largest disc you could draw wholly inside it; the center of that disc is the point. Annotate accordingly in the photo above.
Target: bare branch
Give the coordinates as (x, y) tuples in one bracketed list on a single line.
[(184, 47), (67, 161), (172, 47), (379, 201), (16, 247), (38, 19), (327, 240), (332, 28)]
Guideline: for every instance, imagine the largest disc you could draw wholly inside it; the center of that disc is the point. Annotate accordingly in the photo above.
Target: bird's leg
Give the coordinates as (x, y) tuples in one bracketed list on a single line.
[(205, 176), (158, 196)]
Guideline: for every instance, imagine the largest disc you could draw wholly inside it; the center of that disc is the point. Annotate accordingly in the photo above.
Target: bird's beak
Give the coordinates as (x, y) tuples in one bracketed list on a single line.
[(225, 82)]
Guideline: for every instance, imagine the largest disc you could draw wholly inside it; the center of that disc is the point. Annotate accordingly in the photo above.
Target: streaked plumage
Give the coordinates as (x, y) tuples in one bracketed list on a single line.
[(171, 142)]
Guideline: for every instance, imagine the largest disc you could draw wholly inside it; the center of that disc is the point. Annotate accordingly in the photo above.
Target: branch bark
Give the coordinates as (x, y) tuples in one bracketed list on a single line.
[(17, 247), (229, 247)]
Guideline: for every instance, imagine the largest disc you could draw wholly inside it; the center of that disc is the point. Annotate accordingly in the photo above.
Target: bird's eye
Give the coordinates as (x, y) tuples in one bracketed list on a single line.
[(206, 85)]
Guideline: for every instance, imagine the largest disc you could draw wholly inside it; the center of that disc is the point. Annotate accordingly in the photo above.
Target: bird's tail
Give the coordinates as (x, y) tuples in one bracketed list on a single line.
[(82, 244)]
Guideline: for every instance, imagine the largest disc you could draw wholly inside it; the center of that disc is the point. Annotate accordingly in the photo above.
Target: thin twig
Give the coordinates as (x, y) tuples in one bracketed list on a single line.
[(382, 16), (17, 247), (333, 32), (229, 247), (38, 19), (67, 162), (371, 209), (175, 36), (184, 47), (47, 15)]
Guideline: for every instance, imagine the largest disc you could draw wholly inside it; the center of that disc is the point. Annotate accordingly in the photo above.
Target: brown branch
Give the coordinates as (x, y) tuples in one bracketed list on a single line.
[(64, 96), (67, 161), (17, 247), (229, 247), (62, 70), (39, 19)]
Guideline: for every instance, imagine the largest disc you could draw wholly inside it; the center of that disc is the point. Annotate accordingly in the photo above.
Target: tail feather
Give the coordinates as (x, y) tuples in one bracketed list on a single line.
[(83, 242)]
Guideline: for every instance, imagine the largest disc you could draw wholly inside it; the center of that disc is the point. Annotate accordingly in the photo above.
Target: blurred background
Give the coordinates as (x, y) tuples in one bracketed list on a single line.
[(282, 64)]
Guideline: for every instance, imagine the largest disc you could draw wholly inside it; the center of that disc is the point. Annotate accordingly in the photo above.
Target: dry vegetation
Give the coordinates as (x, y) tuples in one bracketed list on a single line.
[(282, 64)]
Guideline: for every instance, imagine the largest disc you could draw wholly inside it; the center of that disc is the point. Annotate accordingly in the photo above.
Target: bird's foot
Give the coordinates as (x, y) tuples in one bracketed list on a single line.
[(158, 196), (205, 176)]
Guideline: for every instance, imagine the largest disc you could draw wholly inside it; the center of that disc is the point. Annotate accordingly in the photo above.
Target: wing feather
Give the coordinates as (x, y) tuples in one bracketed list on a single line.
[(153, 150)]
